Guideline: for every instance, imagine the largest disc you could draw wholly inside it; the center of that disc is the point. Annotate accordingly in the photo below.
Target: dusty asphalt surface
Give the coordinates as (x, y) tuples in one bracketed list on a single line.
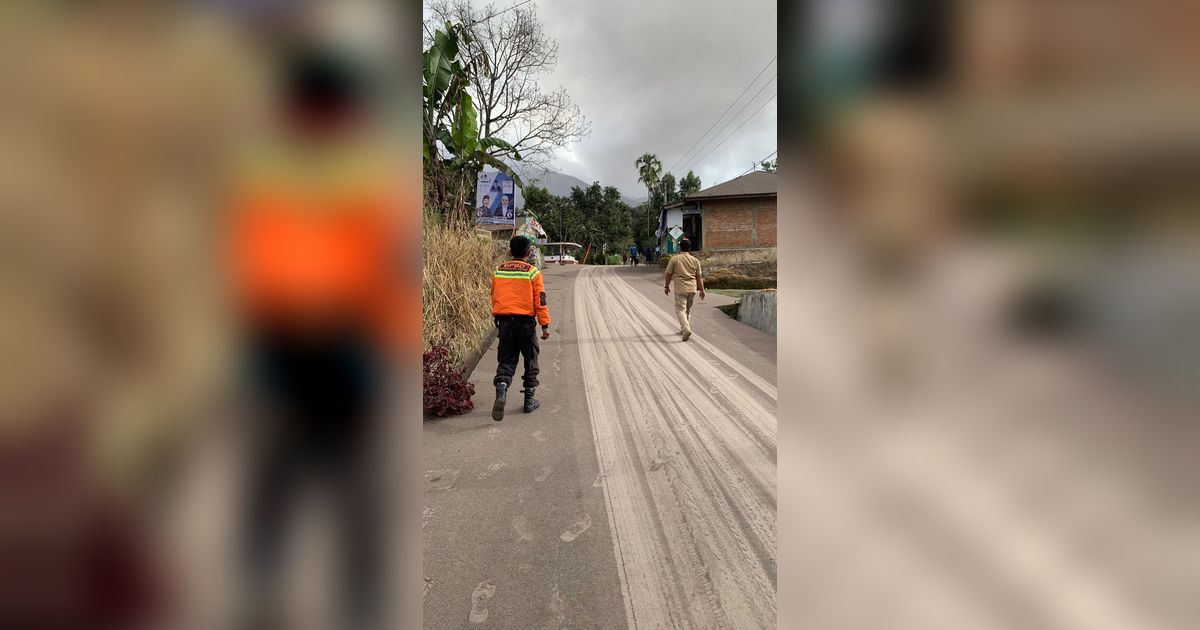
[(642, 494)]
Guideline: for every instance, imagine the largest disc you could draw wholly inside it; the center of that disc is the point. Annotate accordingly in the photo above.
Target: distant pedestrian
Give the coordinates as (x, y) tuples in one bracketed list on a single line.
[(518, 305), (633, 254), (684, 269)]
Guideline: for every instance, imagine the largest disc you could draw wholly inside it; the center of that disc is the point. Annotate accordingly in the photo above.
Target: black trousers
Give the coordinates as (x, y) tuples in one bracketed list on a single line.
[(518, 338), (319, 395)]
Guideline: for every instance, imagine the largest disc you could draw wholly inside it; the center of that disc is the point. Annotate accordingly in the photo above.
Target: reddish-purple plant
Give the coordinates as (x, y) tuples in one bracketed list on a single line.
[(446, 393)]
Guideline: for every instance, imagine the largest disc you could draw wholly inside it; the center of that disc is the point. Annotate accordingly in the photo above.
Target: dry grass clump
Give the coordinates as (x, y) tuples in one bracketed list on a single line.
[(728, 279), (741, 269), (741, 257), (456, 285)]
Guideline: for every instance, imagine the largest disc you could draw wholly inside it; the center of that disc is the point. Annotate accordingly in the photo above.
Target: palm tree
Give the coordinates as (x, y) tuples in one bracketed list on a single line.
[(649, 169)]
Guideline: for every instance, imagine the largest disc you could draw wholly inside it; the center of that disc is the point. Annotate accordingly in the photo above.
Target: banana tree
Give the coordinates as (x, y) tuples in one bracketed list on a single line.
[(452, 148)]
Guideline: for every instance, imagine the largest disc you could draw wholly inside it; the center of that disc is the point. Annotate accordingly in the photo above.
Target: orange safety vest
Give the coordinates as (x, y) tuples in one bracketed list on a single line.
[(518, 289)]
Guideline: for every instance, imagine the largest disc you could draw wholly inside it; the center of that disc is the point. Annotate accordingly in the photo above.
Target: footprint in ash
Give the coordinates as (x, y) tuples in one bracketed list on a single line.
[(557, 609), (524, 530), (581, 524), (479, 601), (492, 467)]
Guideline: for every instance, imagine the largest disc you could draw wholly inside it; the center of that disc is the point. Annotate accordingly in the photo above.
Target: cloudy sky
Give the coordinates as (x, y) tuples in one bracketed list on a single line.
[(654, 75)]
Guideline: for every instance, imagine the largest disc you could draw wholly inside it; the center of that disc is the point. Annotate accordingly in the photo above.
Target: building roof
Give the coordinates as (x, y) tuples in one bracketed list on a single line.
[(756, 184)]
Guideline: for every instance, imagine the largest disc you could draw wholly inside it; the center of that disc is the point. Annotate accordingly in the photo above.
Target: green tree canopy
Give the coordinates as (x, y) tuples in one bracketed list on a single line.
[(667, 187), (689, 185)]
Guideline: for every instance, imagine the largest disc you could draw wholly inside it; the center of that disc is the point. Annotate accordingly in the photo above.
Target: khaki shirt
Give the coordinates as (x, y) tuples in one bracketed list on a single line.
[(684, 269)]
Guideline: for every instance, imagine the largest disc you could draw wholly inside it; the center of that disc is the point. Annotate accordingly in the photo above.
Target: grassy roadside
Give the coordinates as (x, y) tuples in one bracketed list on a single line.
[(456, 286)]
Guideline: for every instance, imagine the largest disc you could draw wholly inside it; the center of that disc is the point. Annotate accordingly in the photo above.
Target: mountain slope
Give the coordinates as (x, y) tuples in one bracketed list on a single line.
[(560, 184)]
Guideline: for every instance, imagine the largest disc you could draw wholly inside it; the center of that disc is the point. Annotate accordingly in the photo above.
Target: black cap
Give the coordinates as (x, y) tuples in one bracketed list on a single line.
[(320, 80)]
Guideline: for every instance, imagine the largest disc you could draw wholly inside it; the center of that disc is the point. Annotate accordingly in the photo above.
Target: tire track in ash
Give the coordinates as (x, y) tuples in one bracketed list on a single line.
[(686, 438)]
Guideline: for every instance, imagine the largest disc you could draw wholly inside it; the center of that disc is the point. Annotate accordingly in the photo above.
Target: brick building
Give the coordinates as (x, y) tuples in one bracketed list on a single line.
[(738, 214)]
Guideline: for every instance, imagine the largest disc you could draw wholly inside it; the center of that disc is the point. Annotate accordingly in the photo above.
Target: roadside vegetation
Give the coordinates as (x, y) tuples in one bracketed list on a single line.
[(740, 257), (727, 279), (741, 270), (456, 287), (469, 125)]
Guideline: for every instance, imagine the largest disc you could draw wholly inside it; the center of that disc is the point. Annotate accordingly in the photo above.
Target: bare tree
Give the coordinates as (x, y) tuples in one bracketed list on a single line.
[(515, 53)]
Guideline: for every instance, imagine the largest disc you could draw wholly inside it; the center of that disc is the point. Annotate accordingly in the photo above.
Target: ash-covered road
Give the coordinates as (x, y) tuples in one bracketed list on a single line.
[(686, 444), (642, 494)]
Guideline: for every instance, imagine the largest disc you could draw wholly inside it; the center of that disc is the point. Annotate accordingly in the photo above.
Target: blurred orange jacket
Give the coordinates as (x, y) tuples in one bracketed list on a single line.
[(307, 253), (518, 289)]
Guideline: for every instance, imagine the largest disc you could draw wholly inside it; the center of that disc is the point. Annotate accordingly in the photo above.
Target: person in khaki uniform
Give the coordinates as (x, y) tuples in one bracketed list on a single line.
[(684, 269)]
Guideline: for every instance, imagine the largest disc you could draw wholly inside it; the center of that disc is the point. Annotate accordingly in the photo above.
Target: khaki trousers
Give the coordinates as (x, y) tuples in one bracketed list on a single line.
[(683, 310)]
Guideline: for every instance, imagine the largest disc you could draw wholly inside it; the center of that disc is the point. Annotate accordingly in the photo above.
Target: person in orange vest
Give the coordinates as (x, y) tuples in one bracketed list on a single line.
[(518, 305), (314, 245)]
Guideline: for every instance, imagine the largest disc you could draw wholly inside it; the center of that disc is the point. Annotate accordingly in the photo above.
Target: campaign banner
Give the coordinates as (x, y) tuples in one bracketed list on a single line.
[(495, 199)]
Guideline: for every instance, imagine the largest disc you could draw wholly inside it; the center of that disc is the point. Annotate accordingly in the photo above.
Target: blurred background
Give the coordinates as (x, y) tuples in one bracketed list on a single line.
[(993, 349), (203, 220), (990, 335)]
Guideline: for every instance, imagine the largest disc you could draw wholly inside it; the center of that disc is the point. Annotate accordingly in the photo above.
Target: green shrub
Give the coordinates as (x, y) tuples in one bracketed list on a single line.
[(614, 259), (664, 259)]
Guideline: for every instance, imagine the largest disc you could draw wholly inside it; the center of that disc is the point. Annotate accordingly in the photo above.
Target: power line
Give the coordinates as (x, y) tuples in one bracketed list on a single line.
[(734, 117), (682, 159), (739, 96), (700, 161), (759, 161), (751, 117)]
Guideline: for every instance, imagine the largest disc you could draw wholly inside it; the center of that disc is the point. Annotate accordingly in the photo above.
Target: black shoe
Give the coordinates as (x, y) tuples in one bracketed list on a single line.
[(530, 403), (501, 398)]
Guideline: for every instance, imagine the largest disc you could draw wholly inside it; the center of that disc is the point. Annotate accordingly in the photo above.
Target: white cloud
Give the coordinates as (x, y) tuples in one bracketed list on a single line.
[(653, 76)]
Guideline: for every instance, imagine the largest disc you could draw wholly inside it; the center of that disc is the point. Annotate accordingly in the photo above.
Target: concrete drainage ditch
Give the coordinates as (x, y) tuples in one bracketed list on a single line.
[(755, 309)]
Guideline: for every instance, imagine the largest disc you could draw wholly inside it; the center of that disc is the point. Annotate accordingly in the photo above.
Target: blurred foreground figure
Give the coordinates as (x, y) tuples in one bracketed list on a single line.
[(312, 245)]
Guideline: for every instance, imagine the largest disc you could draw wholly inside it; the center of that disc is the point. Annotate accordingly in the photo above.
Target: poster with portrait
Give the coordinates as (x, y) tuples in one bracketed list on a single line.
[(496, 198)]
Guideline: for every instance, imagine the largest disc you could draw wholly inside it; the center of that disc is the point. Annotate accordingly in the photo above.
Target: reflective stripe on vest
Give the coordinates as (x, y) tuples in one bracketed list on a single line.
[(519, 275)]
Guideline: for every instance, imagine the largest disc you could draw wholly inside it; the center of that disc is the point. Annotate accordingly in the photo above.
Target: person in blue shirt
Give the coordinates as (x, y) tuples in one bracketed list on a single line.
[(633, 254)]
